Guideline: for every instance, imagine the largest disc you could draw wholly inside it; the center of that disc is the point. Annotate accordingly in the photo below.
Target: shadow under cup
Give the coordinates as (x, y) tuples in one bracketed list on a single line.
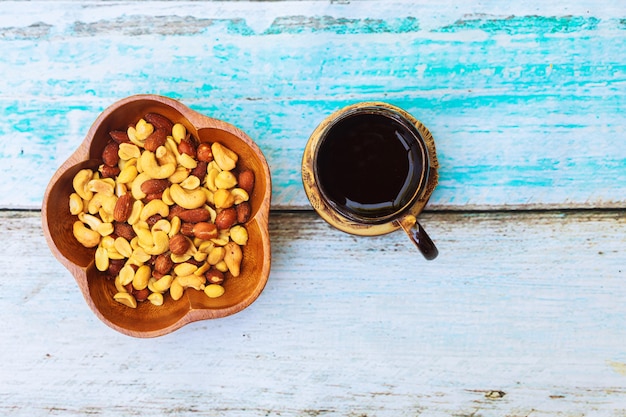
[(370, 167)]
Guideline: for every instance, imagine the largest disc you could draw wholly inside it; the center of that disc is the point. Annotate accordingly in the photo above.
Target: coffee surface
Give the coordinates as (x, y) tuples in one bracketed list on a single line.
[(369, 165)]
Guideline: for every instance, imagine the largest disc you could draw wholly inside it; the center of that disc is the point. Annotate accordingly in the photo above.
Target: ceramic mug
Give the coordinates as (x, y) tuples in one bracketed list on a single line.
[(369, 169)]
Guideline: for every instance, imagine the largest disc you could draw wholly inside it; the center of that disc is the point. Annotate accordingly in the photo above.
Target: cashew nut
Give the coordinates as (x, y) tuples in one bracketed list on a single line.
[(128, 174), (80, 181), (154, 207), (76, 204), (135, 187), (224, 157), (160, 243), (102, 200), (150, 166), (189, 199)]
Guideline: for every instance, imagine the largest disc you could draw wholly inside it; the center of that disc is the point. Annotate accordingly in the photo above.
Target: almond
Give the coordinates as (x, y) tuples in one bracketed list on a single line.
[(246, 181), (110, 154), (243, 212), (154, 186), (205, 231), (152, 196), (226, 218), (123, 208), (156, 139), (159, 121), (195, 215), (109, 172), (187, 146), (175, 210), (204, 152), (179, 244), (119, 136), (124, 230)]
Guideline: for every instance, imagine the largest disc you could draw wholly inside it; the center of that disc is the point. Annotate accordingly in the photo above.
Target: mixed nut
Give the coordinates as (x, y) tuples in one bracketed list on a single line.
[(164, 212)]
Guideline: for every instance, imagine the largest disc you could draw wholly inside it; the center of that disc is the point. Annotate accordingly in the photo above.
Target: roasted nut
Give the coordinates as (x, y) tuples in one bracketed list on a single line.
[(110, 154), (141, 295), (195, 215), (159, 121), (223, 198), (232, 257), (225, 158), (155, 140), (87, 237), (213, 276), (80, 183), (189, 199), (204, 152), (154, 207), (123, 208), (163, 264), (245, 180), (226, 218), (152, 168), (243, 212), (179, 132), (179, 244), (109, 172), (187, 147), (239, 235), (124, 230), (205, 230), (200, 170), (119, 136), (225, 180), (214, 290), (126, 299), (162, 211), (76, 204), (154, 186)]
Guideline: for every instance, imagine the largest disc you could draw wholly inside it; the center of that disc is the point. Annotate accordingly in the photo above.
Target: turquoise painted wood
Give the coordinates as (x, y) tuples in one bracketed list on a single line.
[(526, 102)]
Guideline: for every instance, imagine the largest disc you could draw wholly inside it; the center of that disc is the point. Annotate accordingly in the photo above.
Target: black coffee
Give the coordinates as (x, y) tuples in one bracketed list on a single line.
[(370, 165)]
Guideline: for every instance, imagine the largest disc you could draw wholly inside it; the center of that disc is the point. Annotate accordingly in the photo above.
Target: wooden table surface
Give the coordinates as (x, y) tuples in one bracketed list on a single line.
[(523, 313)]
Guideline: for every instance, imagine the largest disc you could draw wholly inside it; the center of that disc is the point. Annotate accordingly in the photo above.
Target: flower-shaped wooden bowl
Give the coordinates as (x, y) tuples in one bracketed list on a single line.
[(148, 320)]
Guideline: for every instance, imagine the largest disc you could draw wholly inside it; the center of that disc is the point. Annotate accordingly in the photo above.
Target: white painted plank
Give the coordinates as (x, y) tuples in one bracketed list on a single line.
[(530, 304), (526, 101)]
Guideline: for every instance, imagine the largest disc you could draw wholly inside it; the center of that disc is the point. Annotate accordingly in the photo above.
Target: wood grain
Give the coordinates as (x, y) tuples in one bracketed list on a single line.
[(526, 102), (521, 315)]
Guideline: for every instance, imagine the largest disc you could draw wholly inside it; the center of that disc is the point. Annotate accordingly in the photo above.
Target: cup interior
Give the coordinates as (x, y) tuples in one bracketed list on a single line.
[(371, 164)]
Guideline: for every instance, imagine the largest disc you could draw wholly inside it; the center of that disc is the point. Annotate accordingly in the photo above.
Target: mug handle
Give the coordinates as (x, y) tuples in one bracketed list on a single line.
[(419, 237)]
